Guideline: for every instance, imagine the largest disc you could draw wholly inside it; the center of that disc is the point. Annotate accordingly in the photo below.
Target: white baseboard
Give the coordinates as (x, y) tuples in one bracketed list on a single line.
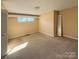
[(70, 37)]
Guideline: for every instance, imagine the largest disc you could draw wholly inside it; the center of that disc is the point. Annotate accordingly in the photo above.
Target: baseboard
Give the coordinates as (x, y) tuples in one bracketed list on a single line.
[(70, 37), (47, 34), (23, 35)]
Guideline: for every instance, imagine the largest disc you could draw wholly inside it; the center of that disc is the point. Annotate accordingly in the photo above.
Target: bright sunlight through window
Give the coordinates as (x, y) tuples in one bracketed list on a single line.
[(23, 19), (18, 48)]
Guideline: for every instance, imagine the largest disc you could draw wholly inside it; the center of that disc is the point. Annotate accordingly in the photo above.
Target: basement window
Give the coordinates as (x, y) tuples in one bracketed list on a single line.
[(24, 19)]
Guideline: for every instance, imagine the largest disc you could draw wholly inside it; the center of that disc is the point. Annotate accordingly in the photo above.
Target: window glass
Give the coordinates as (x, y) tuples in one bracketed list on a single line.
[(23, 19)]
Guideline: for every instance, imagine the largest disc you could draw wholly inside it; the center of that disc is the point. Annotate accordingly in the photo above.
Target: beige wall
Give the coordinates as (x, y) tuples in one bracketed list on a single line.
[(70, 22), (16, 29), (46, 23)]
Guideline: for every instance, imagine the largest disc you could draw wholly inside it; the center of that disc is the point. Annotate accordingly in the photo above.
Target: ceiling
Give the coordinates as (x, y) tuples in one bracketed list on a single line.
[(28, 6)]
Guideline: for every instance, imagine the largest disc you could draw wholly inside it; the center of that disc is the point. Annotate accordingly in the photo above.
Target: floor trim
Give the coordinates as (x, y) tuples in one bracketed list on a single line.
[(23, 35), (47, 34), (70, 37)]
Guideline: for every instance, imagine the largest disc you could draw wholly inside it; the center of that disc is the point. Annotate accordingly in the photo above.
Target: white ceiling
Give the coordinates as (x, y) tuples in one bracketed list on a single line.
[(27, 6)]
